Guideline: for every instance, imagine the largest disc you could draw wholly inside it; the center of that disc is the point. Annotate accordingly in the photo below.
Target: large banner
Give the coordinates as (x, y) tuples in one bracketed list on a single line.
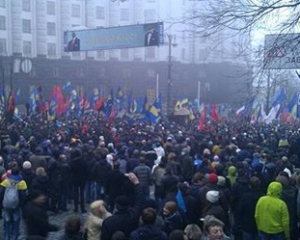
[(282, 51), (142, 35)]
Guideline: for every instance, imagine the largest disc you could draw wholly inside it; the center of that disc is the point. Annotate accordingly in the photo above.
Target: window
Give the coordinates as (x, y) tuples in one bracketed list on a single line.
[(50, 29), (101, 54), (50, 8), (76, 10), (124, 14), (26, 26), (51, 49), (2, 3), (2, 46), (26, 47), (124, 53), (183, 37), (2, 23), (100, 14), (150, 15), (150, 52), (183, 54), (26, 5)]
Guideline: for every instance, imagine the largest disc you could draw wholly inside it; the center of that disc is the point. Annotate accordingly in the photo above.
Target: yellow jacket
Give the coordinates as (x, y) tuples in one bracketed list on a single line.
[(271, 213)]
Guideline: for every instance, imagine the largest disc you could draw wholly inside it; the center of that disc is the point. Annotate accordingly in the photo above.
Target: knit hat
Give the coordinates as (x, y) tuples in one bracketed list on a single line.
[(221, 181), (212, 196), (206, 151), (26, 165), (212, 178)]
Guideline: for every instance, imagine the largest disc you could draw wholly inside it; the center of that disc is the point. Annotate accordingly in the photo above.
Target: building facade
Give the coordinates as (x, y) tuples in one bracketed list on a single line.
[(32, 49), (34, 28)]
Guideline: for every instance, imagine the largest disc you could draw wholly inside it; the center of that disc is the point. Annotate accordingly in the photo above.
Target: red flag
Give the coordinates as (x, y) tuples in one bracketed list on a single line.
[(214, 113), (112, 115), (99, 104), (11, 102), (67, 104), (58, 98), (285, 116), (202, 119)]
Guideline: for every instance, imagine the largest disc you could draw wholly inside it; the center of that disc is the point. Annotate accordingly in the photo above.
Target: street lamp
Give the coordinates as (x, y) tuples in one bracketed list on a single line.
[(171, 44)]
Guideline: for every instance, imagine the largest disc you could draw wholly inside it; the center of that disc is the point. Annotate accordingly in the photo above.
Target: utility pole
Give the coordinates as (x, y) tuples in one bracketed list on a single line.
[(169, 86)]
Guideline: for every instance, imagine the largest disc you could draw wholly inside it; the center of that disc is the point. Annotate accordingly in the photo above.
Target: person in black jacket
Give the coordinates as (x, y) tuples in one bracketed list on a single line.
[(66, 182), (169, 182), (100, 172), (114, 185), (239, 188), (246, 209), (148, 231), (79, 178), (126, 218), (36, 217)]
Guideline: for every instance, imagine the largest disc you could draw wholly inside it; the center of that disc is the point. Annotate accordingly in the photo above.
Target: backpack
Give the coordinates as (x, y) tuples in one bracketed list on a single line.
[(11, 196)]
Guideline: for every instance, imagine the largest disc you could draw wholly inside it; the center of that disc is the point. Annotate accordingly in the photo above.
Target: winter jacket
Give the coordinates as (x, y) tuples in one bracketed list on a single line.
[(94, 221), (271, 213), (38, 161), (28, 177), (187, 168), (240, 187), (115, 183), (79, 171), (41, 183), (169, 184), (143, 172), (217, 211), (232, 175), (157, 175), (173, 222), (21, 184), (148, 232), (130, 216), (246, 209), (37, 220), (101, 170)]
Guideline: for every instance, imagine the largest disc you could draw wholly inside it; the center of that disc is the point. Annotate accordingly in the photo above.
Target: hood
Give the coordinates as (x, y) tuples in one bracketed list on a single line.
[(95, 208), (232, 171), (274, 189)]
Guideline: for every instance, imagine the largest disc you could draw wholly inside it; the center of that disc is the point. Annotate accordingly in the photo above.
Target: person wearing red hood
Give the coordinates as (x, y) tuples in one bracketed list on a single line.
[(271, 215)]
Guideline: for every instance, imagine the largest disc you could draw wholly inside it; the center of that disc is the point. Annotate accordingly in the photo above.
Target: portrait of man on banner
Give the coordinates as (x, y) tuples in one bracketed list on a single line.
[(151, 35), (74, 43)]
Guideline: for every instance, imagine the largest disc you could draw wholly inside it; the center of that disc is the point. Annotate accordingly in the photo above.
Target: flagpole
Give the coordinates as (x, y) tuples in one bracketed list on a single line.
[(157, 85), (199, 92)]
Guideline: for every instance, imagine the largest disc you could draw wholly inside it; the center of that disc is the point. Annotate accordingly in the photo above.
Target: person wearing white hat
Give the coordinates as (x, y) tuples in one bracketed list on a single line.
[(213, 207)]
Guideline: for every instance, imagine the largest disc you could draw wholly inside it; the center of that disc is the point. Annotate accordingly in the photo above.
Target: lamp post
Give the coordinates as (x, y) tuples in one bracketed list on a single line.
[(169, 86)]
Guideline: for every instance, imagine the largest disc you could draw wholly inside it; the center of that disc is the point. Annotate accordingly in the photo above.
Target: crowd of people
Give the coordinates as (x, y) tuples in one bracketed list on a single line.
[(140, 181)]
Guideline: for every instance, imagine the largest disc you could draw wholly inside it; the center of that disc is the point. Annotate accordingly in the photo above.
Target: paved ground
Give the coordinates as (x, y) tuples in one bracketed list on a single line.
[(58, 219)]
